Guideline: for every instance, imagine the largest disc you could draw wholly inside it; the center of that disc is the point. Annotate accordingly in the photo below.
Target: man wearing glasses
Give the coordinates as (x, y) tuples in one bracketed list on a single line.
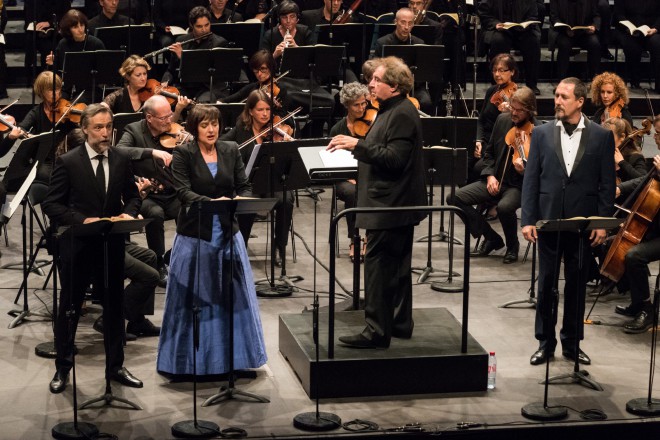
[(141, 141)]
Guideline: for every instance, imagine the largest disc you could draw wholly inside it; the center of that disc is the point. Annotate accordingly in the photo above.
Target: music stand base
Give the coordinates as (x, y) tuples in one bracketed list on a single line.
[(278, 289), (448, 286), (107, 400), (578, 377), (539, 411), (309, 421), (641, 407), (442, 236), (529, 302), (195, 429), (21, 315), (228, 393), (68, 430), (46, 350)]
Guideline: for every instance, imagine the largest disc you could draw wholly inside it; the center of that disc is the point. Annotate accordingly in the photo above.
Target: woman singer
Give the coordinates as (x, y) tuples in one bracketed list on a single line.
[(209, 169)]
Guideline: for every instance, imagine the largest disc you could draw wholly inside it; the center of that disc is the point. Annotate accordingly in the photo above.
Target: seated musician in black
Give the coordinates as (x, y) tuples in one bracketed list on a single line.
[(323, 15), (200, 32), (251, 130), (220, 13), (372, 8), (288, 32), (108, 16), (168, 13)]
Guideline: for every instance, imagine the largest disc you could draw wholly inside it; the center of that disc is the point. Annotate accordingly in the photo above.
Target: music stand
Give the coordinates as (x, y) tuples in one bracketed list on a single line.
[(423, 31), (230, 112), (207, 66), (530, 301), (425, 61), (86, 70), (129, 38), (30, 150), (242, 35), (356, 38), (121, 120), (232, 207)]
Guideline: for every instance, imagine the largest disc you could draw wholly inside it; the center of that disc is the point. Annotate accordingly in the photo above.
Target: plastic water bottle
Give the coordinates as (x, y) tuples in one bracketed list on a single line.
[(492, 370)]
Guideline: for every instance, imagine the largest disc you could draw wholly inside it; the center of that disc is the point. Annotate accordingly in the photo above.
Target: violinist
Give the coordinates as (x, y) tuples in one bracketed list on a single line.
[(253, 121), (324, 15), (288, 32), (610, 96), (142, 141), (501, 178), (628, 158), (355, 99), (263, 66), (220, 13), (126, 100)]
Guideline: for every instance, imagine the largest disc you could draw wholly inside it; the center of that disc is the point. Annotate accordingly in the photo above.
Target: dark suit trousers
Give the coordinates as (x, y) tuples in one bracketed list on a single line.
[(529, 45), (82, 262), (575, 285), (588, 42), (637, 273), (140, 269), (158, 211), (388, 284), (633, 47)]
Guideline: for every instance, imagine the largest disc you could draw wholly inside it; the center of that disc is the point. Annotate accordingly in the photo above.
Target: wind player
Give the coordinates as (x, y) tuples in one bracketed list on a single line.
[(503, 180), (90, 183), (323, 15), (288, 32)]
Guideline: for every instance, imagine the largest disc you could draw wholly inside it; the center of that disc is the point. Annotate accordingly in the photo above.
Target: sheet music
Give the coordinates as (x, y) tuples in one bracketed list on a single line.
[(338, 159), (253, 158), (8, 209)]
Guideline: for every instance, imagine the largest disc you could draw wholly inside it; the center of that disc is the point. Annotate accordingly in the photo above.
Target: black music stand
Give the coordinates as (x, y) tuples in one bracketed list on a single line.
[(443, 165), (232, 207), (229, 112), (356, 38), (242, 35), (121, 120), (129, 38), (207, 66), (278, 167), (35, 148), (86, 70), (423, 31), (425, 61)]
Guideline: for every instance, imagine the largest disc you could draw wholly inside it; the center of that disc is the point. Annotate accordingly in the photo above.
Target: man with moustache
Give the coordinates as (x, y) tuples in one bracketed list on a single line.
[(89, 183), (503, 180), (569, 173)]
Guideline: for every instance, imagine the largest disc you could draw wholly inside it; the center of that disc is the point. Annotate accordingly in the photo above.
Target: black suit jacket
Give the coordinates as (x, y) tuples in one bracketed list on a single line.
[(73, 194), (194, 182), (588, 191)]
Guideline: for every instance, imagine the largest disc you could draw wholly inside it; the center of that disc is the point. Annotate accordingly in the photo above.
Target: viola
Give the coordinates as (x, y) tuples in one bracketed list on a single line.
[(519, 140), (346, 14), (154, 87), (503, 94), (174, 137), (614, 110)]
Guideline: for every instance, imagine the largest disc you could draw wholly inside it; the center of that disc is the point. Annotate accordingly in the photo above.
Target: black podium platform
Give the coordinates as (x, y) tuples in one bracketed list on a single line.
[(430, 362)]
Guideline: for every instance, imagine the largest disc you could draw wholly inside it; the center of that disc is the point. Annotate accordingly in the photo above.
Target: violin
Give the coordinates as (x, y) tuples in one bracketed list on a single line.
[(614, 110), (174, 137), (630, 141), (362, 125), (503, 94), (346, 14), (154, 87), (66, 110), (6, 124), (283, 132), (519, 139)]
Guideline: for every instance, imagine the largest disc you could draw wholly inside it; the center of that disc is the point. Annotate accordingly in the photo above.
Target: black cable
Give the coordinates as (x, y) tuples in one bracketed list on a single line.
[(359, 425)]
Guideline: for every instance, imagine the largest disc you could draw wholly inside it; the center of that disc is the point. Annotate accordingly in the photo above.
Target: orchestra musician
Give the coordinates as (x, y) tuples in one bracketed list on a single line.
[(254, 120), (355, 98), (220, 13), (417, 7), (127, 100), (168, 13), (108, 16), (209, 169), (199, 20), (324, 15), (503, 172), (391, 170), (610, 96), (372, 8), (628, 158), (575, 180), (288, 32), (39, 16), (90, 183), (142, 140)]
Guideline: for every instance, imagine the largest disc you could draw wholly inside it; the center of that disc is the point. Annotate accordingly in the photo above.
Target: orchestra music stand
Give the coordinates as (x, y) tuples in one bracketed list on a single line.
[(207, 66), (121, 120), (229, 112), (246, 36), (132, 39), (89, 69), (232, 207), (438, 164), (425, 61), (351, 35)]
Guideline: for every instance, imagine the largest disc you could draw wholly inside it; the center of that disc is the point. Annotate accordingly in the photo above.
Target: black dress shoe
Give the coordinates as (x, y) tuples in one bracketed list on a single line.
[(124, 377), (142, 328), (59, 381), (540, 356), (359, 341), (511, 255), (642, 322), (582, 356), (628, 310), (488, 246), (162, 276)]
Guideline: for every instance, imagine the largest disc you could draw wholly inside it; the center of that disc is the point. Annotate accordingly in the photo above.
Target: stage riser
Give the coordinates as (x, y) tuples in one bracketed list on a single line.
[(430, 363)]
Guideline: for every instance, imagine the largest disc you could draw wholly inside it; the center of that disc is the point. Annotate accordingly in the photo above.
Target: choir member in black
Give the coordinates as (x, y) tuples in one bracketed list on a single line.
[(355, 99), (253, 121), (639, 13), (90, 183), (199, 20), (453, 38), (402, 35), (39, 16), (169, 13), (605, 30), (493, 14), (628, 158), (609, 95), (288, 32), (108, 16), (220, 13), (263, 67), (323, 15), (574, 13), (73, 27)]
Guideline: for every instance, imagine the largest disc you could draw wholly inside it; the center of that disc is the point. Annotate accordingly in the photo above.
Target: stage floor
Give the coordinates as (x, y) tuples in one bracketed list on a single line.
[(620, 361)]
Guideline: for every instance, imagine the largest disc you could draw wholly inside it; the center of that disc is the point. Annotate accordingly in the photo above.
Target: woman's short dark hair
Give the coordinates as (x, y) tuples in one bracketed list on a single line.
[(287, 7), (253, 99), (261, 57), (506, 59), (71, 18), (199, 114)]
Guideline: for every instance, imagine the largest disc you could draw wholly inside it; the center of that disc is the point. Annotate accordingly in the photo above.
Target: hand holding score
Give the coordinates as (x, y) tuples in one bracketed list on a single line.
[(342, 142)]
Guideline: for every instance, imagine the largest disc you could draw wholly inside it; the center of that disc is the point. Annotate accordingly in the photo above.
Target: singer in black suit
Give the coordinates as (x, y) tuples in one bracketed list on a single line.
[(569, 173), (89, 183), (391, 170)]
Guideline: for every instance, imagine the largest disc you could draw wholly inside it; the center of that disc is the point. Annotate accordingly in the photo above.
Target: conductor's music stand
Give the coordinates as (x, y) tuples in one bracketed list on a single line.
[(246, 36), (207, 66), (86, 70), (131, 39)]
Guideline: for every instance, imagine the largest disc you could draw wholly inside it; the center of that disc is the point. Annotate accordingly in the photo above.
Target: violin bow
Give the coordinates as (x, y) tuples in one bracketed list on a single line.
[(74, 102)]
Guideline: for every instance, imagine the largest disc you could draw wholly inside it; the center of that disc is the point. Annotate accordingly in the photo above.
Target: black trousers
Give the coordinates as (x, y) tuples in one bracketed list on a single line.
[(632, 49), (388, 284), (636, 262), (588, 42), (528, 43), (140, 269), (605, 24), (346, 193), (82, 261), (158, 210), (282, 225), (568, 244)]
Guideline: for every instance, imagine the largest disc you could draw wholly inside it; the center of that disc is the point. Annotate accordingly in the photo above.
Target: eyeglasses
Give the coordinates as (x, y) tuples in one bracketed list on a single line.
[(501, 70), (162, 118), (262, 70)]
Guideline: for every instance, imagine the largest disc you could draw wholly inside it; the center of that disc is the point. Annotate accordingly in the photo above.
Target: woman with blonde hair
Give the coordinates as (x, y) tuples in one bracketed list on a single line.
[(610, 95)]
